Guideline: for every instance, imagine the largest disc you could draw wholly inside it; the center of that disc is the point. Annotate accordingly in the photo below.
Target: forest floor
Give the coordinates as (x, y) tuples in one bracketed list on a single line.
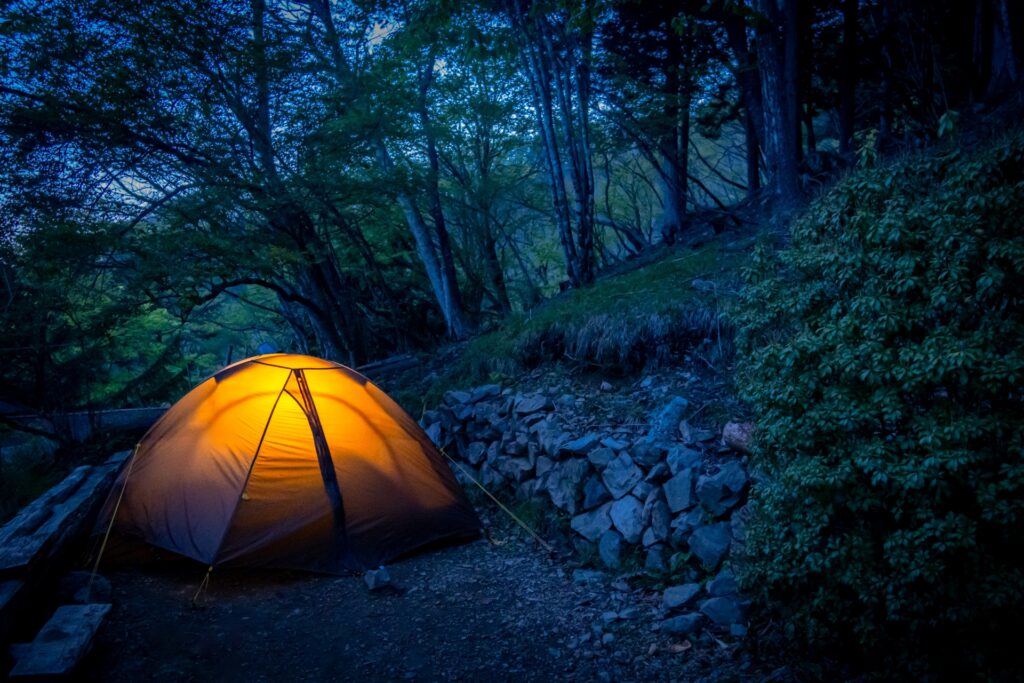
[(460, 613)]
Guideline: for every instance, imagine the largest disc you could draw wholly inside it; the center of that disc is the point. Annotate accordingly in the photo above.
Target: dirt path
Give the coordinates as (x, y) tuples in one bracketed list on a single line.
[(472, 612)]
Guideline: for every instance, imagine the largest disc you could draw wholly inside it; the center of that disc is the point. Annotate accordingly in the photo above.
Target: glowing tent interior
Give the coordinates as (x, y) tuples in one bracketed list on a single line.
[(288, 461)]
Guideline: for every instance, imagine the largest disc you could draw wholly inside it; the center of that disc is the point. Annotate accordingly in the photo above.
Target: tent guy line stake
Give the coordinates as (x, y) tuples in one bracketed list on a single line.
[(113, 516), (501, 505)]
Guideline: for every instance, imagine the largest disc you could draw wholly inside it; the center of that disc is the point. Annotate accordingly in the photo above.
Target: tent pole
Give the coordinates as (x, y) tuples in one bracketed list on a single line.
[(113, 516)]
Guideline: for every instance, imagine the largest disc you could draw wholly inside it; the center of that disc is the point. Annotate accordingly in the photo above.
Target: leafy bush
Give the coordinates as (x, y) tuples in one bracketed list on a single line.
[(883, 353)]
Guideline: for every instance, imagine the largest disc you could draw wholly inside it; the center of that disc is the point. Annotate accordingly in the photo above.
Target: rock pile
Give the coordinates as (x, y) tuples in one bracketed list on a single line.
[(675, 498)]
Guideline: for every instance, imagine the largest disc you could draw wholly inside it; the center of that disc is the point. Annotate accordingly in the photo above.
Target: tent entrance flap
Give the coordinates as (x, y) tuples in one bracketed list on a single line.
[(323, 452)]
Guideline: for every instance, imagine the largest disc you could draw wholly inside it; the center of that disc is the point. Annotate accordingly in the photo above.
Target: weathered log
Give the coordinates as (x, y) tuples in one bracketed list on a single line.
[(61, 644)]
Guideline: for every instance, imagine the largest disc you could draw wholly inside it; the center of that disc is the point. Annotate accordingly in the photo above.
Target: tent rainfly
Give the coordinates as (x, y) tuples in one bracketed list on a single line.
[(288, 461)]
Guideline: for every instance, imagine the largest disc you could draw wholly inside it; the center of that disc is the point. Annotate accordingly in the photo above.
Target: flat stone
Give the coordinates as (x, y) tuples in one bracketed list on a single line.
[(614, 444), (458, 397), (710, 543), (581, 445), (475, 452), (683, 625), (377, 579), (62, 642), (679, 491), (665, 427), (592, 524), (724, 611), (565, 484), (656, 561), (621, 475), (723, 585), (661, 519), (680, 596), (485, 392), (739, 436), (680, 458), (659, 473), (626, 515), (594, 493), (609, 548), (721, 491), (533, 404), (600, 457)]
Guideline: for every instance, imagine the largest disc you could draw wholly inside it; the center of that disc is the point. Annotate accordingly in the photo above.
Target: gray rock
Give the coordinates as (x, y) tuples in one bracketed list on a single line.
[(626, 516), (683, 625), (475, 453), (648, 454), (484, 392), (723, 585), (648, 539), (532, 404), (679, 491), (737, 630), (739, 436), (434, 432), (621, 475), (643, 490), (600, 457), (592, 524), (665, 426), (721, 491), (377, 579), (614, 444), (724, 611), (565, 484), (661, 519), (710, 543), (680, 458), (594, 493), (543, 465), (609, 548), (529, 489), (457, 397), (580, 446), (516, 469), (656, 562), (680, 596), (659, 473)]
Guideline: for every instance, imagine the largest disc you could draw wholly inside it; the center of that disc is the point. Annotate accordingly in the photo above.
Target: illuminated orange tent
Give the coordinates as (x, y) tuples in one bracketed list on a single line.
[(293, 462)]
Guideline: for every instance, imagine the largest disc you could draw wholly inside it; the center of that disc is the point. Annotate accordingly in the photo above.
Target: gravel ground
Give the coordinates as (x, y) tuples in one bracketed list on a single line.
[(471, 612)]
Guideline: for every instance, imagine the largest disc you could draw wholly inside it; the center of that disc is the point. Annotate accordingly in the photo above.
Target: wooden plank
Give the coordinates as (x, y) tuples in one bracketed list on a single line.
[(42, 529), (61, 643)]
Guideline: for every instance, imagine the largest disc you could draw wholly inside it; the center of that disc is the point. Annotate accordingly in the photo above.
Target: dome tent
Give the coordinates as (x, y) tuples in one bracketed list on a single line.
[(288, 461)]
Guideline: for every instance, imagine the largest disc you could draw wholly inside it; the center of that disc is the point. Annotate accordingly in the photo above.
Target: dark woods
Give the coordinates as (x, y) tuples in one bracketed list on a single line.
[(354, 179)]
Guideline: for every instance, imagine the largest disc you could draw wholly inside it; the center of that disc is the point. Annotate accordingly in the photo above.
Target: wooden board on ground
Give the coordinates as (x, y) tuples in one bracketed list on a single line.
[(62, 642), (37, 533)]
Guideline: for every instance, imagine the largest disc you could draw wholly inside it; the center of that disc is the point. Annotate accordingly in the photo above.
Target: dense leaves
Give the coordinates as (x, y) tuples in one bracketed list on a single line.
[(883, 354)]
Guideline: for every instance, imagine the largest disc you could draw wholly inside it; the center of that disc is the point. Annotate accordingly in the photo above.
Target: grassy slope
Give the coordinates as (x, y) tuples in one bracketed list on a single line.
[(613, 324)]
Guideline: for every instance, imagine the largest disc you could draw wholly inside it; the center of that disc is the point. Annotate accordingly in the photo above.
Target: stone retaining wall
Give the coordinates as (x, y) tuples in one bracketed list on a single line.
[(677, 497)]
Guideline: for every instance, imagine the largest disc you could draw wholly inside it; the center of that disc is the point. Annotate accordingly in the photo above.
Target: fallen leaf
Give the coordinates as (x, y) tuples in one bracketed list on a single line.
[(676, 648)]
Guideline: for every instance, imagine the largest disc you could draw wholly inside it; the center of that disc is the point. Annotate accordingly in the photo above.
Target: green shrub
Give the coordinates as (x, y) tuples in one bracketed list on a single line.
[(882, 351)]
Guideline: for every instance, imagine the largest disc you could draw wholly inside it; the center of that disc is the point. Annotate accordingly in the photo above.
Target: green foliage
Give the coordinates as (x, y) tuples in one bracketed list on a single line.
[(883, 355)]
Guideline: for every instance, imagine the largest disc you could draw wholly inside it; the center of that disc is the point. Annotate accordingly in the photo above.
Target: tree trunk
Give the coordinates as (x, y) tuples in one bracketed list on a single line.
[(1004, 70), (458, 327), (848, 79), (779, 119)]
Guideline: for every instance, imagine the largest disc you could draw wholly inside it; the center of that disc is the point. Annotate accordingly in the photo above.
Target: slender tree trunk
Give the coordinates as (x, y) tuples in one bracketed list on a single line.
[(1004, 69), (749, 80), (848, 79), (458, 327), (442, 281), (779, 119)]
